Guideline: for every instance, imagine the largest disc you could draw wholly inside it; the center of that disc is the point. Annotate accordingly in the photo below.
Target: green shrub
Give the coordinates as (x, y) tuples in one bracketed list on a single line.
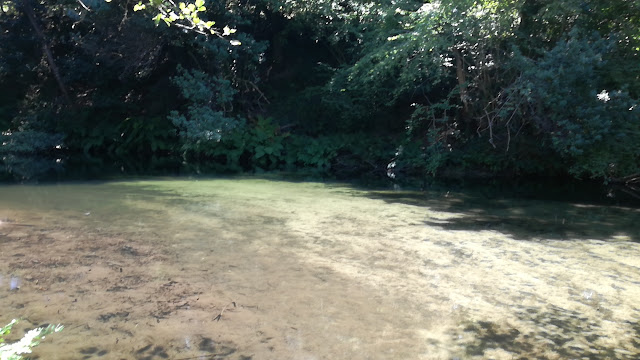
[(564, 95)]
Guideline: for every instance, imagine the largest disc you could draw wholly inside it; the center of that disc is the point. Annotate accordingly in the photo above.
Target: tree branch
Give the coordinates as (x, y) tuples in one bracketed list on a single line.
[(28, 9)]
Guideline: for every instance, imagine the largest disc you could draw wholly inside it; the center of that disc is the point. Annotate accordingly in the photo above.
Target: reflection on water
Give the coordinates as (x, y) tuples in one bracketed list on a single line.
[(257, 269)]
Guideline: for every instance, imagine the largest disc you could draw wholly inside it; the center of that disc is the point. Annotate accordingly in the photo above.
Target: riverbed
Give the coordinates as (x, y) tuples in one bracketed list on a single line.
[(265, 269)]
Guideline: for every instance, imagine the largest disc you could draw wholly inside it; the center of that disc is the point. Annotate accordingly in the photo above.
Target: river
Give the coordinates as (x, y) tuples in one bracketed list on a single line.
[(250, 268)]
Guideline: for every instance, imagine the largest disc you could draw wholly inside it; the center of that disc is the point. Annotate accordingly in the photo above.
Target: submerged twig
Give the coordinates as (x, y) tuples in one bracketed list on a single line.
[(217, 318)]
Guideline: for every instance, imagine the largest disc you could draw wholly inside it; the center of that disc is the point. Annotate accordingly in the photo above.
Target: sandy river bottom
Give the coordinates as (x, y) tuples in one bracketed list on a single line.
[(259, 269)]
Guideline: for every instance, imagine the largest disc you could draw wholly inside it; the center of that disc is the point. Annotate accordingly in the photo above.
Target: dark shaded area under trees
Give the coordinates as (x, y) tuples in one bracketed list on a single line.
[(340, 88)]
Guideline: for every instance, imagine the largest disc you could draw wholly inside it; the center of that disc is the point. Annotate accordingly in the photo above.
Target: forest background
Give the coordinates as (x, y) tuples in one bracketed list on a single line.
[(340, 88)]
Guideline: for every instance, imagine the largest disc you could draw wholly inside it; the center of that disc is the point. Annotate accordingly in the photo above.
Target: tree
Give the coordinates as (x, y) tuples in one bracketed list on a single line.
[(484, 87), (467, 69)]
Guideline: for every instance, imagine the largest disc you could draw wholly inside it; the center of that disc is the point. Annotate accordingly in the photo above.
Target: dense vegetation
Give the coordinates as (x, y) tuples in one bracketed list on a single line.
[(341, 87)]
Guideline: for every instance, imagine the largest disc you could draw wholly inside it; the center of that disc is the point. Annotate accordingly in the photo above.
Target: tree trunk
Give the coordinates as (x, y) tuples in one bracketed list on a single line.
[(462, 81), (28, 9)]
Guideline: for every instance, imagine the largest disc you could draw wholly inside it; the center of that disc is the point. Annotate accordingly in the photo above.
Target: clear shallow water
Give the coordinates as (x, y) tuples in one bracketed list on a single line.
[(260, 269)]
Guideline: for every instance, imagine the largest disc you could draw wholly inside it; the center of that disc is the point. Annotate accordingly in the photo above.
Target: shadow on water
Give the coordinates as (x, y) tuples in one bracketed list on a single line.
[(556, 330), (526, 216), (208, 349)]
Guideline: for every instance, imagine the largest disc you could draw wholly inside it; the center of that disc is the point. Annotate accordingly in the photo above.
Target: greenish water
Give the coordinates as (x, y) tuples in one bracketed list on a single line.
[(268, 269)]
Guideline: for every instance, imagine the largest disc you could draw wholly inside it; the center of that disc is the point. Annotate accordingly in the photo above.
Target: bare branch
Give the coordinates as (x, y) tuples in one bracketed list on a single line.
[(83, 5)]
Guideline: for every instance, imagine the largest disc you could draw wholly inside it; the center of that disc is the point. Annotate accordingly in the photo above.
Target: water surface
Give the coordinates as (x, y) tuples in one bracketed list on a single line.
[(263, 269)]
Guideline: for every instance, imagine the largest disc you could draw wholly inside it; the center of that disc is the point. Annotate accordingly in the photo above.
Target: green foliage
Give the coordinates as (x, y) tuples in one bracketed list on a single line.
[(206, 118), (340, 155), (31, 339), (399, 88), (28, 141), (256, 147), (501, 70), (361, 155), (30, 150), (28, 154), (265, 144), (116, 68), (184, 15), (410, 56), (5, 330), (144, 136), (315, 154), (430, 138), (563, 95)]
